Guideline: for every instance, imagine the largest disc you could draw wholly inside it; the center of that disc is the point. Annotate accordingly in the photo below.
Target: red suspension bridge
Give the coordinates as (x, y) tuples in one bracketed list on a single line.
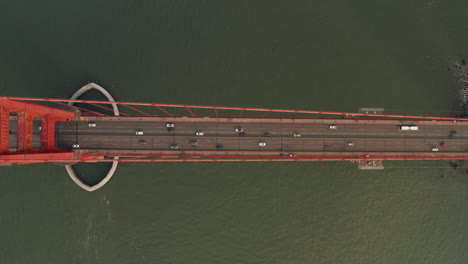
[(38, 130)]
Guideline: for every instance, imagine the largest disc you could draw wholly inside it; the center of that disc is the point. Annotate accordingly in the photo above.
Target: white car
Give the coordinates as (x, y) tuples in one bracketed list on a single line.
[(170, 125), (199, 133), (332, 126), (92, 124), (296, 134), (139, 133), (435, 149), (262, 144), (239, 129), (76, 146), (414, 128)]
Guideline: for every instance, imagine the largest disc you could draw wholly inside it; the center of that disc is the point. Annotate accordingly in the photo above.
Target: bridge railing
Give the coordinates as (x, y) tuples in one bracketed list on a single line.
[(139, 109)]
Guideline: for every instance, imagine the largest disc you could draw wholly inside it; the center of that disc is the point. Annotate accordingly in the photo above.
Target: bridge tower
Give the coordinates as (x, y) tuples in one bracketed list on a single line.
[(27, 132)]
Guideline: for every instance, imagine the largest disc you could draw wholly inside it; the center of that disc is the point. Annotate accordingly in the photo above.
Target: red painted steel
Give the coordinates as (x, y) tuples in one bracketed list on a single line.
[(165, 111), (4, 129), (48, 134), (138, 110), (38, 109), (108, 109), (29, 107), (31, 158), (364, 156), (345, 114), (190, 111), (25, 132), (45, 133), (82, 109), (26, 110), (22, 158)]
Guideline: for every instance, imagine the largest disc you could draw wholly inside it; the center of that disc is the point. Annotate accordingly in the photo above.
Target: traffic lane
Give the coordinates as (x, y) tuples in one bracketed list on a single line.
[(259, 133), (393, 145), (251, 144), (303, 144), (129, 128), (252, 128), (237, 135), (187, 127), (133, 142), (228, 128), (320, 143), (385, 130), (255, 129), (206, 143), (66, 141)]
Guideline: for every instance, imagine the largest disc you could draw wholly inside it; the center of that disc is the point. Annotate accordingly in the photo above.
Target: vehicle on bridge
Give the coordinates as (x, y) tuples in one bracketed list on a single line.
[(34, 130), (408, 128)]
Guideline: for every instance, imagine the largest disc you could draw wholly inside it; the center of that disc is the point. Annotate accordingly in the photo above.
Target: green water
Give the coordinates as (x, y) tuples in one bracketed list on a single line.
[(317, 55)]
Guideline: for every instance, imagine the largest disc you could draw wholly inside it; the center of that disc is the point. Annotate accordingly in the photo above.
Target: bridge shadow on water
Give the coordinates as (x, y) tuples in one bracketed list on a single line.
[(92, 173)]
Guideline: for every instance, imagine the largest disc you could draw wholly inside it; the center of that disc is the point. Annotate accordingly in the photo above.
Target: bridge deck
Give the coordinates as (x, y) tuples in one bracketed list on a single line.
[(114, 135)]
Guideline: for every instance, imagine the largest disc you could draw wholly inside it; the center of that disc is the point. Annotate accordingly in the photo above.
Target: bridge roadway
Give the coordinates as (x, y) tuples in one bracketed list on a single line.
[(116, 135)]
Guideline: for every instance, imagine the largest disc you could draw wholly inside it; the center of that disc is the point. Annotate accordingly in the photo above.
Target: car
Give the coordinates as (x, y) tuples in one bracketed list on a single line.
[(76, 146), (142, 142), (199, 133), (408, 128), (174, 146), (262, 143), (434, 149), (139, 132), (170, 129), (92, 124), (242, 134), (332, 126), (350, 144), (266, 134), (193, 142), (219, 146), (297, 134), (239, 129), (39, 128), (169, 124)]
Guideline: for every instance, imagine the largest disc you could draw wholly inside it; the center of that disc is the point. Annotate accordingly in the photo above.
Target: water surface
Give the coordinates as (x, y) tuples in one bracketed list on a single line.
[(332, 55)]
